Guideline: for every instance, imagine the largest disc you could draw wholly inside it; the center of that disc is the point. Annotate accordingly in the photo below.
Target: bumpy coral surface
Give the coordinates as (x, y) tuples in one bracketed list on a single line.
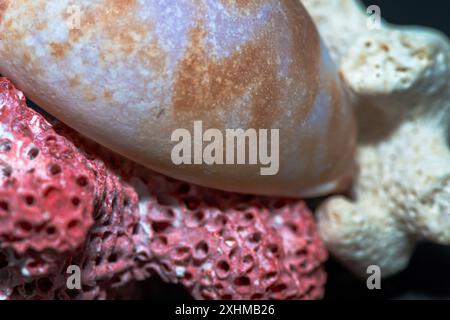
[(400, 82), (67, 201)]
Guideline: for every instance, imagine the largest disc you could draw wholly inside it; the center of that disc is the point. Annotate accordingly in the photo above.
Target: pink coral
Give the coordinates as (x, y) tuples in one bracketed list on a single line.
[(65, 200)]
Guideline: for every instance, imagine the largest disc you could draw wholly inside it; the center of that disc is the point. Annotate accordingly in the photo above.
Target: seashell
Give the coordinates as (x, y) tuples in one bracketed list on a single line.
[(128, 73)]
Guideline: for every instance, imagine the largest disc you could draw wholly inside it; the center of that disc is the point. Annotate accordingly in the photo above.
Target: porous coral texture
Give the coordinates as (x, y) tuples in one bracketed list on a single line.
[(65, 200)]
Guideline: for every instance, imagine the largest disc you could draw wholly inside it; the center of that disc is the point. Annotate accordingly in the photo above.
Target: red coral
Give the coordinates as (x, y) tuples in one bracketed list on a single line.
[(65, 200), (224, 246), (45, 201)]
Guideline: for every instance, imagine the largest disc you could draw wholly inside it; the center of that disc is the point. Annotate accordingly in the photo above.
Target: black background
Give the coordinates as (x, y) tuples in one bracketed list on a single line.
[(430, 13)]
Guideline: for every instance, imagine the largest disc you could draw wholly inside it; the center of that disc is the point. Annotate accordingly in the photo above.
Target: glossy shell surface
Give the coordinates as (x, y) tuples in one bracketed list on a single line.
[(127, 73)]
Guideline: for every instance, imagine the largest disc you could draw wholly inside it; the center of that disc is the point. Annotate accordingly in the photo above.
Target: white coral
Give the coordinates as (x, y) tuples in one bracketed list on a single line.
[(400, 80)]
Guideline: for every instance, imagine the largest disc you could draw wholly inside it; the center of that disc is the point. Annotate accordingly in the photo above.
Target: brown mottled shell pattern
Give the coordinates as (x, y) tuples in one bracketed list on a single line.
[(134, 71)]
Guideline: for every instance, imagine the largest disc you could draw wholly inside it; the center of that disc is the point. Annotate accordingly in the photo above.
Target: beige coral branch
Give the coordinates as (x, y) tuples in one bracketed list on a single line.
[(400, 82)]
